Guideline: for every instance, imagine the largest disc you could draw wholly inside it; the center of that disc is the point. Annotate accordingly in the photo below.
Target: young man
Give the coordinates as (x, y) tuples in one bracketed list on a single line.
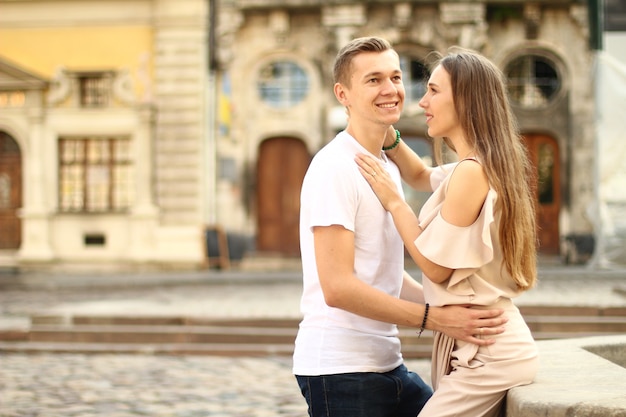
[(347, 357)]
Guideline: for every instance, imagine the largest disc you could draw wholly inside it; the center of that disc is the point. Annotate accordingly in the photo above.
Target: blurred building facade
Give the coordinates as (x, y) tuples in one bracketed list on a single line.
[(128, 126), (104, 115)]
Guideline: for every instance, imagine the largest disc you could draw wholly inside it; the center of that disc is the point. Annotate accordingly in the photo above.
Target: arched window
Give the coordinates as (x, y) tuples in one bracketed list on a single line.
[(533, 81), (283, 84)]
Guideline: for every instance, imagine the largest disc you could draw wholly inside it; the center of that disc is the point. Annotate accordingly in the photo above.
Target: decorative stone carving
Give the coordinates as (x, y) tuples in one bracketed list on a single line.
[(532, 19), (344, 19), (123, 87), (59, 87), (424, 29), (463, 24), (402, 15), (459, 13), (230, 21), (344, 15), (145, 81), (580, 16), (343, 35), (279, 23)]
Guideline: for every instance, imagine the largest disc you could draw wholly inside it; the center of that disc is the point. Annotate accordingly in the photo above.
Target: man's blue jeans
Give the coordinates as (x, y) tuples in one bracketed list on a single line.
[(398, 393)]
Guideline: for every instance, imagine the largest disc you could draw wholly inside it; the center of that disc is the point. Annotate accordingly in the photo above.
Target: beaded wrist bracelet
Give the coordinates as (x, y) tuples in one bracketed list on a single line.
[(423, 321), (396, 143)]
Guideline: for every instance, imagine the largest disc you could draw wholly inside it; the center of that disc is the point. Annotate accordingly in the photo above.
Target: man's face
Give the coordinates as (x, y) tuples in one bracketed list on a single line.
[(376, 92)]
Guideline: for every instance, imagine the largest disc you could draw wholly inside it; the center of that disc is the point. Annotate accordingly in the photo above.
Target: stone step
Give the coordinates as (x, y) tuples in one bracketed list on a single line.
[(576, 324), (530, 313), (255, 336), (215, 349), (586, 311), (129, 334), (160, 334), (163, 321), (537, 323), (412, 348), (245, 332)]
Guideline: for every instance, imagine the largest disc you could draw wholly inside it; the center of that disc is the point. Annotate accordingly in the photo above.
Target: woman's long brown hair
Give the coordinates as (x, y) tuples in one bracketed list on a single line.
[(481, 102)]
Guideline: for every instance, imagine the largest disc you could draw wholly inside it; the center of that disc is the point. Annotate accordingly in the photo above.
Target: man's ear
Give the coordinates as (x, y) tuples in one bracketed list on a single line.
[(340, 93)]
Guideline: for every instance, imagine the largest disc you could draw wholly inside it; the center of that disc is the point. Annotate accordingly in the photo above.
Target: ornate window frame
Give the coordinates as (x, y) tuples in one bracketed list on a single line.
[(282, 82), (541, 81)]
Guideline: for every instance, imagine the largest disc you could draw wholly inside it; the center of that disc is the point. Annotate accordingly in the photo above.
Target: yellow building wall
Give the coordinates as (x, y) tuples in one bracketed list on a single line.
[(43, 50)]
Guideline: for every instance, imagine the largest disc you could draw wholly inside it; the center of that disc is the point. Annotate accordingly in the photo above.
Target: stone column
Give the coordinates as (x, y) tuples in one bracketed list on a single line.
[(37, 204), (144, 214)]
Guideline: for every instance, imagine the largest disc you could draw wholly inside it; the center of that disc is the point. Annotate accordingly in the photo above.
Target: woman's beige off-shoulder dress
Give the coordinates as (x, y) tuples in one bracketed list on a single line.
[(472, 381)]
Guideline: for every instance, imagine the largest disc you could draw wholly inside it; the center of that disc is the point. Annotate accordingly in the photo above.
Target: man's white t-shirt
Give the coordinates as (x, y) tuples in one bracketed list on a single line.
[(334, 192)]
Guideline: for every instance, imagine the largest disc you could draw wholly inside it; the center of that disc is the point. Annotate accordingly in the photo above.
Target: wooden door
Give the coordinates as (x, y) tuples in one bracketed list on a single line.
[(280, 170), (10, 192), (544, 154)]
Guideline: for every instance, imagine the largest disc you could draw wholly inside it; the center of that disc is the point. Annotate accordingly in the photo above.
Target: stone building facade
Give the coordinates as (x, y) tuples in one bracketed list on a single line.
[(106, 146), (274, 66), (129, 126)]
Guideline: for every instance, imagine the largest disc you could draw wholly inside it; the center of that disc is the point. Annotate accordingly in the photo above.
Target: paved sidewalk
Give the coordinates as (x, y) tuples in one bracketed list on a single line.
[(110, 385), (213, 293)]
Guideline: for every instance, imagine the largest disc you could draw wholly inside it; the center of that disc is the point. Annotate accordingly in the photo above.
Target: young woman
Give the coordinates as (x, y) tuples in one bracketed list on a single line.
[(474, 239)]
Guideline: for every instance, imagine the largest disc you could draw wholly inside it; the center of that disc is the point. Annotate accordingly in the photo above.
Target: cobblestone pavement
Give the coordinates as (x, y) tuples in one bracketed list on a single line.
[(71, 385), (135, 385)]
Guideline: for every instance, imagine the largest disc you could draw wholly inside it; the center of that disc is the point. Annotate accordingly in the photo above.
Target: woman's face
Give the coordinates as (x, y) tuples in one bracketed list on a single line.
[(438, 104)]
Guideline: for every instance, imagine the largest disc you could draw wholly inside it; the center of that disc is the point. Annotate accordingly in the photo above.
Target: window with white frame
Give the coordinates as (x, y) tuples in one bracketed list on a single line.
[(95, 174)]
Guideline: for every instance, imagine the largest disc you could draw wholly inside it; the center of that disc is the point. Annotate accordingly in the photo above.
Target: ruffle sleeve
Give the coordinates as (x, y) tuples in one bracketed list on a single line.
[(464, 249)]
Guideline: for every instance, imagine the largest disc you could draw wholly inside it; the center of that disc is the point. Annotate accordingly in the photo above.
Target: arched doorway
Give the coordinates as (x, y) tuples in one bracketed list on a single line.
[(281, 167), (544, 154), (10, 192)]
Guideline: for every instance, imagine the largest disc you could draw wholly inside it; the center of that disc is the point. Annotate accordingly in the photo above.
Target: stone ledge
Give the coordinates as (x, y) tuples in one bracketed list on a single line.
[(582, 377)]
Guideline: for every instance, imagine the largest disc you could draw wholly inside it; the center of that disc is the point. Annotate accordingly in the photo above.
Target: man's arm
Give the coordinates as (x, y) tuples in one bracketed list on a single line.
[(334, 252)]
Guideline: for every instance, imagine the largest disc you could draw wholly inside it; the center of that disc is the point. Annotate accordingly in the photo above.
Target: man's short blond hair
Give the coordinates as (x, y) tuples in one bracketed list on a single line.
[(343, 62)]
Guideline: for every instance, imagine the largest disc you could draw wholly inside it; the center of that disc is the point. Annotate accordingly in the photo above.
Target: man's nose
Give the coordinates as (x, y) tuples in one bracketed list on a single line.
[(390, 87)]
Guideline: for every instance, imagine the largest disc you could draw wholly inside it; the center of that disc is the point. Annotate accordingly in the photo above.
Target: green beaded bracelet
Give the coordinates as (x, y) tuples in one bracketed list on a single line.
[(388, 148)]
